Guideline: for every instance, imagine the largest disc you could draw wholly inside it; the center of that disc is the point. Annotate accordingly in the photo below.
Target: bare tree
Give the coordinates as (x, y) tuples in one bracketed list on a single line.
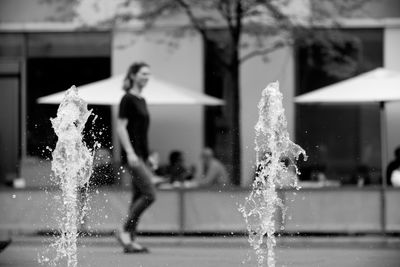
[(272, 24)]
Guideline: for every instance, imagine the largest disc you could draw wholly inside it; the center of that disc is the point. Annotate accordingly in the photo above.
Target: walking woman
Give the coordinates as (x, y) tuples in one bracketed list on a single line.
[(133, 125)]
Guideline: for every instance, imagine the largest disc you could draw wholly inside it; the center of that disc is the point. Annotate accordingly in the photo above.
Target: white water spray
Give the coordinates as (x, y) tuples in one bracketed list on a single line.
[(275, 155), (72, 168)]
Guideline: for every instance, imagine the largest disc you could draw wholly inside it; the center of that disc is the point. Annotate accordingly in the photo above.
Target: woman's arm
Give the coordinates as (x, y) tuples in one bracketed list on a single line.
[(126, 142)]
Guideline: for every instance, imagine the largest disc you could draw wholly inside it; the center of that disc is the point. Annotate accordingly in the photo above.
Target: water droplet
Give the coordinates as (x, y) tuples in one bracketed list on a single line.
[(13, 196)]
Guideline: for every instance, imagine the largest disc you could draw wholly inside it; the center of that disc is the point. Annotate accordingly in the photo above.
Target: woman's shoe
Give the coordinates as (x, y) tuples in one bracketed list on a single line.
[(124, 238), (134, 247)]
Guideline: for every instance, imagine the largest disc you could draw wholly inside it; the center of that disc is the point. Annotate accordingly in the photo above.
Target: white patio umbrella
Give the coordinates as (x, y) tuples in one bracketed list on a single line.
[(376, 86), (157, 92)]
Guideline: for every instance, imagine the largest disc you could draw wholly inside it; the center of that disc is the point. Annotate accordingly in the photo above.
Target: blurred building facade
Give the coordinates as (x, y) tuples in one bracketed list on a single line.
[(42, 53)]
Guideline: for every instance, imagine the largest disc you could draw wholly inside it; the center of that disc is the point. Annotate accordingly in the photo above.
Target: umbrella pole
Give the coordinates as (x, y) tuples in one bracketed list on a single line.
[(383, 126)]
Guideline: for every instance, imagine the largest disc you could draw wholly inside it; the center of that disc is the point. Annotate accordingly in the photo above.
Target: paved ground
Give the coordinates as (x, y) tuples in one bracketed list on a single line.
[(215, 252)]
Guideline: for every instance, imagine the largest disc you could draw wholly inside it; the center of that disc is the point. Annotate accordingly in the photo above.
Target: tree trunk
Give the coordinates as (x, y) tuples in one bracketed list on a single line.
[(233, 117)]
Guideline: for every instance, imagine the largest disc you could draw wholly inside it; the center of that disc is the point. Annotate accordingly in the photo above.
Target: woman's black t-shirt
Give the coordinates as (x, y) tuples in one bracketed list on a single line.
[(134, 108)]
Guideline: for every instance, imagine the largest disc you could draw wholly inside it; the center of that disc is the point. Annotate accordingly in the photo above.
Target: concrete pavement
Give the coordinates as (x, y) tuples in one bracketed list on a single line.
[(215, 252)]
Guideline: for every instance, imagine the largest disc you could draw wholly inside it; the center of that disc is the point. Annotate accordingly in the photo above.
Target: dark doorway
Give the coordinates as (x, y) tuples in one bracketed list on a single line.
[(213, 86), (9, 120), (216, 127), (50, 75)]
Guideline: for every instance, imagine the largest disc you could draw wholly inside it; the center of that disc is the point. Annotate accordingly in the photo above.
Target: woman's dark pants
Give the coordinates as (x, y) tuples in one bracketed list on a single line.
[(143, 195)]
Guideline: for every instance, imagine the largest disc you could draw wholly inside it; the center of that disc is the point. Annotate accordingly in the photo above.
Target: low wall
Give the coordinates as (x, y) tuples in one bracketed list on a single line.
[(322, 210)]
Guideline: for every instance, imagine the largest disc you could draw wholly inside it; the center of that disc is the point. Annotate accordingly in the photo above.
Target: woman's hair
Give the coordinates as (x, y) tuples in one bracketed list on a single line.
[(133, 69)]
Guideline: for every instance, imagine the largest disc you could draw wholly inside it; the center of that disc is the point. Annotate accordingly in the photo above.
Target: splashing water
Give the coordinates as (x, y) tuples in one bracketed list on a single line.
[(275, 155), (72, 168)]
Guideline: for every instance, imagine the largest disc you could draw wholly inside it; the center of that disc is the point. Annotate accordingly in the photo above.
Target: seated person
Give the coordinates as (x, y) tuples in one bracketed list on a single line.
[(361, 177), (176, 170), (393, 168), (214, 172)]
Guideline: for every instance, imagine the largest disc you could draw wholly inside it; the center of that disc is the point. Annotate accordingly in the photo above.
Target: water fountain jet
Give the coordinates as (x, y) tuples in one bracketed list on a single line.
[(276, 154), (72, 167)]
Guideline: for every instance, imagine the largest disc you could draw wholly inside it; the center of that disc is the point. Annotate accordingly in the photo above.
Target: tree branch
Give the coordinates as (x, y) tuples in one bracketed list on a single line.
[(279, 16), (239, 13), (196, 23), (225, 10), (261, 52), (202, 29), (156, 12)]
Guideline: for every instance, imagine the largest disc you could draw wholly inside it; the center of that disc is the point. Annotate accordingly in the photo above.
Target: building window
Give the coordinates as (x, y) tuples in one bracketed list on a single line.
[(55, 62), (339, 139)]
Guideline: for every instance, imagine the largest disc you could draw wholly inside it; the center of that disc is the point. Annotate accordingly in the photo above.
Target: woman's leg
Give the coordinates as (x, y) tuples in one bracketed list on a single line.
[(143, 195)]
